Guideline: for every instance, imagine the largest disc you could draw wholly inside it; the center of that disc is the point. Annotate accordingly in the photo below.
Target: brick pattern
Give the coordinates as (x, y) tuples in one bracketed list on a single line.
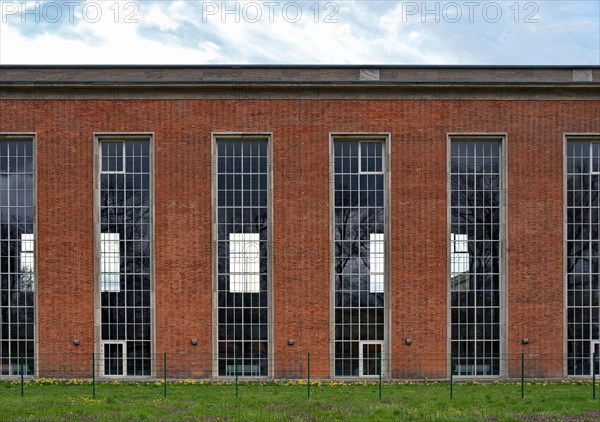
[(300, 128)]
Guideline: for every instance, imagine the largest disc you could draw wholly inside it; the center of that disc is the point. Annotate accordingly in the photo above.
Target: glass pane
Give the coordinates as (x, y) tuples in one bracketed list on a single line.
[(125, 253), (371, 359), (360, 258), (474, 259), (242, 256), (582, 209), (113, 359), (17, 257)]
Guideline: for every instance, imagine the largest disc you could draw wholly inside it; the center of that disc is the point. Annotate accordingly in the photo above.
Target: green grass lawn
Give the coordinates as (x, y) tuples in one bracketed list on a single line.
[(190, 400)]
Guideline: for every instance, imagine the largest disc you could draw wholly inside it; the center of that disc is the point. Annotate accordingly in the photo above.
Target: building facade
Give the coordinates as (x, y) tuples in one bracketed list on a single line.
[(417, 221)]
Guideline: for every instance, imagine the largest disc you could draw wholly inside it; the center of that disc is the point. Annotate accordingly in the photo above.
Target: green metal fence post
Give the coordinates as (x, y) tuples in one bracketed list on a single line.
[(380, 370), (594, 358), (309, 375), (451, 374), (165, 372), (522, 375), (22, 375), (237, 395), (93, 375)]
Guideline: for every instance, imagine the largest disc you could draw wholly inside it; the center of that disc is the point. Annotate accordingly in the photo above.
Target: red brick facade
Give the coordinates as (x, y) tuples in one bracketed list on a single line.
[(300, 128)]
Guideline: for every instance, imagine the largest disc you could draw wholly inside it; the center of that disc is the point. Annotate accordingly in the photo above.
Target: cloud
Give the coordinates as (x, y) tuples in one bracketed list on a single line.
[(105, 41), (301, 32)]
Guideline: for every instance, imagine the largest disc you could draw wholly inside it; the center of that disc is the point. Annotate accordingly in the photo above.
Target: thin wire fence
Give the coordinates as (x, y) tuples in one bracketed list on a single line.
[(110, 366), (89, 378)]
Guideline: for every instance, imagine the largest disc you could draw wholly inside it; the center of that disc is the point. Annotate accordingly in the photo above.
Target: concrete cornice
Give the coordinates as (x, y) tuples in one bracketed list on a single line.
[(351, 82)]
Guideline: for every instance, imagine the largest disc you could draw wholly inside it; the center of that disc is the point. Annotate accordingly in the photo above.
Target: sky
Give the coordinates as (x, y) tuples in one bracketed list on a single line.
[(556, 32)]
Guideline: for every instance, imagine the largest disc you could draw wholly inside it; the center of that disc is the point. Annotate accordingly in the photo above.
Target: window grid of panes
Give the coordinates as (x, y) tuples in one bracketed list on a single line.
[(583, 254), (359, 226), (125, 257), (475, 257), (17, 259), (242, 237)]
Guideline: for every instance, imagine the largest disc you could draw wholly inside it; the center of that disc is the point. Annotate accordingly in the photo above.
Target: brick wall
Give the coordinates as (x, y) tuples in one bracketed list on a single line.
[(300, 128)]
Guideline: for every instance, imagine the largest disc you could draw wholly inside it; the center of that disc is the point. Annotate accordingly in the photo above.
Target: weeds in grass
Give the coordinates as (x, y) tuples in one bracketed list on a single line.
[(59, 399)]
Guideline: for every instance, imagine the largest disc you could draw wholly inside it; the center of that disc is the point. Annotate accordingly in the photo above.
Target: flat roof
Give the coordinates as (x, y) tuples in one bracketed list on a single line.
[(296, 75)]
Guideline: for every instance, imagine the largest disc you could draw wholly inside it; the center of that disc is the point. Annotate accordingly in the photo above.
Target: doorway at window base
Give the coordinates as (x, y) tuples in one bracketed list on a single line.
[(113, 358), (370, 357)]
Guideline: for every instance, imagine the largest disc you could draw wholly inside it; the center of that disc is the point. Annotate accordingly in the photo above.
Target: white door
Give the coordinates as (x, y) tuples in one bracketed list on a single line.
[(370, 358), (113, 356)]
